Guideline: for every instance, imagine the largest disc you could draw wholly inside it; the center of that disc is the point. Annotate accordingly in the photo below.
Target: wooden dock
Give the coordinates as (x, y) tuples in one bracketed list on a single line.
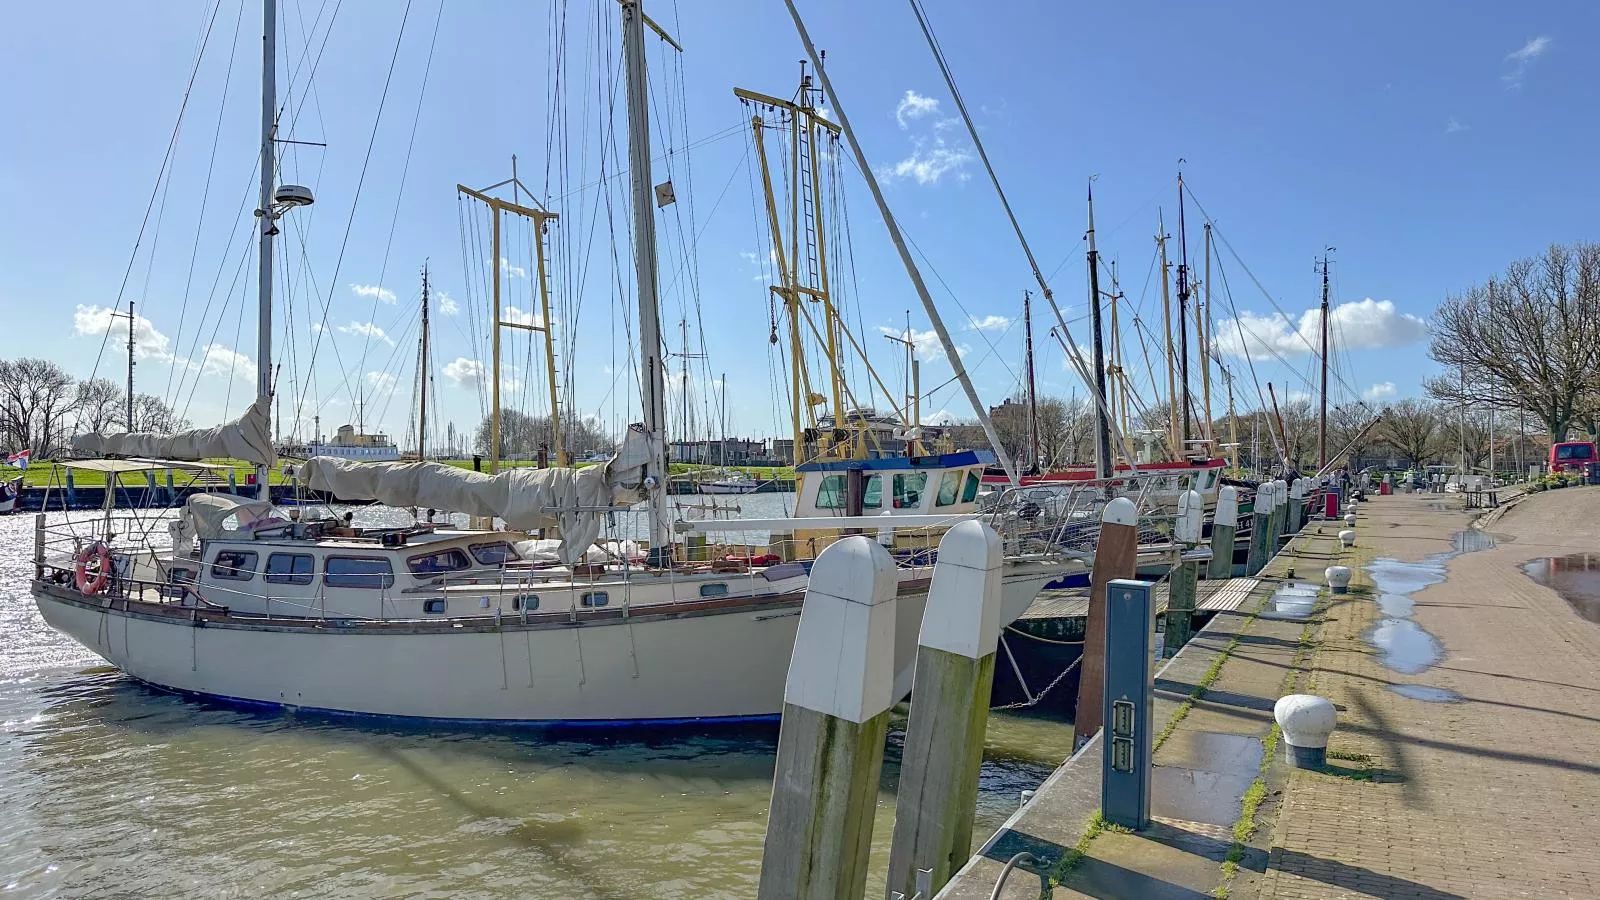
[(1211, 596)]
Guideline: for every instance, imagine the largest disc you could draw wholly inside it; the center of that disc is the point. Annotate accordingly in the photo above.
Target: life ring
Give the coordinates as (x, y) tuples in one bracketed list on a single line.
[(88, 582)]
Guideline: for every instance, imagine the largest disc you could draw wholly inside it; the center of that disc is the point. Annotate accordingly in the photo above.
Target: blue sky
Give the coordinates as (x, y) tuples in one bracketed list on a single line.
[(1431, 143)]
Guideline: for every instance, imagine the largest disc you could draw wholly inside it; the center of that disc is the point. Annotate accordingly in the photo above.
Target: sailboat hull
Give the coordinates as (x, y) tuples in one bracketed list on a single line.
[(728, 663)]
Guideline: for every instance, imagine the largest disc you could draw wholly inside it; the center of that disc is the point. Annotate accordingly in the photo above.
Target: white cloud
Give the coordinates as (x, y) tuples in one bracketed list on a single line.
[(148, 343), (1362, 325), (219, 360), (448, 305), (942, 417), (513, 271), (1453, 126), (373, 291), (990, 323), (926, 343), (464, 371), (927, 164), (914, 106), (366, 330), (520, 317), (1379, 391), (382, 382), (1523, 57)]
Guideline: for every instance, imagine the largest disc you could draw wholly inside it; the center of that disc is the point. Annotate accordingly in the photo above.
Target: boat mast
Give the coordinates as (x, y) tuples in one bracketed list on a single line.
[(1322, 415), (1203, 326), (1166, 322), (132, 323), (1033, 394), (1102, 421), (1183, 321), (269, 227), (423, 370), (653, 379)]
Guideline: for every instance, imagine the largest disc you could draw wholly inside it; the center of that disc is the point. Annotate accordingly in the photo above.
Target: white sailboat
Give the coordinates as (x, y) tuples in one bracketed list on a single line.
[(439, 623)]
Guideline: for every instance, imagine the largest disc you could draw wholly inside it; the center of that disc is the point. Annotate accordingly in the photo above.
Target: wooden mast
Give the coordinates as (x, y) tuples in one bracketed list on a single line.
[(1203, 325), (1102, 419), (1166, 321), (422, 374), (1033, 394)]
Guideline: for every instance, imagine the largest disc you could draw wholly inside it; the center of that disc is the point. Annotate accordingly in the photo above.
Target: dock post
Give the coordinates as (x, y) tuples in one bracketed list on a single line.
[(1297, 505), (1182, 585), (1280, 514), (1260, 522), (149, 488), (72, 490), (38, 546), (172, 492), (949, 711), (835, 718), (1116, 555), (233, 481), (1224, 531)]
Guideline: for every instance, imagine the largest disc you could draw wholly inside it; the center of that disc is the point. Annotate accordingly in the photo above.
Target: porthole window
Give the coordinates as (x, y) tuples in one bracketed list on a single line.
[(434, 607), (717, 589), (595, 598), (525, 603)]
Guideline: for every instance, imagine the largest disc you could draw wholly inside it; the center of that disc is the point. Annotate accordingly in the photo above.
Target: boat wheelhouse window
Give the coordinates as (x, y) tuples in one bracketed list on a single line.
[(289, 568), (830, 494), (716, 589), (595, 598), (949, 488), (529, 602), (435, 607), (357, 572), (450, 560), (495, 553), (908, 490), (234, 565), (970, 493), (872, 492)]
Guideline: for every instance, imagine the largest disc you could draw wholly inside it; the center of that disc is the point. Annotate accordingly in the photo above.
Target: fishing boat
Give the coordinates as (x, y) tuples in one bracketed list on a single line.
[(244, 602), (733, 483)]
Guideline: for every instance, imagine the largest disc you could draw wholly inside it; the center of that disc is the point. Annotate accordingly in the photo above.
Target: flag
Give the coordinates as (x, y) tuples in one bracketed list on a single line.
[(20, 459)]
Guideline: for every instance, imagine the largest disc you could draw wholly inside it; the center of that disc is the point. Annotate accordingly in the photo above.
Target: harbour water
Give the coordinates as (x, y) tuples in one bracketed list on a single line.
[(111, 788)]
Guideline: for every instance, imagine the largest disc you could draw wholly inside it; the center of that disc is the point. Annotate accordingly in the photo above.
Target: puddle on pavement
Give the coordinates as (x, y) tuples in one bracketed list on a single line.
[(1403, 645), (1575, 577), (1293, 601), (1426, 693), (1203, 776)]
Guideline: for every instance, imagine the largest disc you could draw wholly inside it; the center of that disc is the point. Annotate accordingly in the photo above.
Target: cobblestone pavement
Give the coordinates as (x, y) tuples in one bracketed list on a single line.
[(1493, 791)]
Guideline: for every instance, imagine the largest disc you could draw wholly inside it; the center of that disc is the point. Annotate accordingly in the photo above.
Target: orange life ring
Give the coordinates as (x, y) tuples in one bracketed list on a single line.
[(88, 582)]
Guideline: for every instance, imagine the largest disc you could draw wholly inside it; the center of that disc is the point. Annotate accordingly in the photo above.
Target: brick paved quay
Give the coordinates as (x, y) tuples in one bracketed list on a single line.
[(1492, 793)]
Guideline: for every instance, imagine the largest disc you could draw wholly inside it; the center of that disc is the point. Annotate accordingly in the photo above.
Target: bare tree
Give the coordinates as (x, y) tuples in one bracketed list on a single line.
[(99, 406), (1527, 339), (522, 435), (35, 397), (1412, 428), (152, 414), (1349, 432)]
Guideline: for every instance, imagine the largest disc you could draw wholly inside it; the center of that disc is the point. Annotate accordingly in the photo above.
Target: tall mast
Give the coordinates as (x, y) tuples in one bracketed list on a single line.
[(1166, 321), (1033, 394), (1203, 326), (423, 370), (1102, 421), (1183, 320), (1322, 415), (269, 107), (653, 379)]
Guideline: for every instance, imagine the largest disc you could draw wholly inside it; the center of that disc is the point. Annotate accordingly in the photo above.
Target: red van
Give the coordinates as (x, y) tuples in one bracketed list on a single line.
[(1572, 456)]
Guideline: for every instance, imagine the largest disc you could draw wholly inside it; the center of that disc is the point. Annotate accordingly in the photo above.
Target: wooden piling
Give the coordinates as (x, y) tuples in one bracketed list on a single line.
[(1297, 505), (835, 719), (1115, 556), (1224, 531), (938, 792), (1260, 536)]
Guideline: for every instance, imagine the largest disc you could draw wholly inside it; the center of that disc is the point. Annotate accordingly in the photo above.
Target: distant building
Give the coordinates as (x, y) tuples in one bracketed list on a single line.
[(348, 443), (732, 452)]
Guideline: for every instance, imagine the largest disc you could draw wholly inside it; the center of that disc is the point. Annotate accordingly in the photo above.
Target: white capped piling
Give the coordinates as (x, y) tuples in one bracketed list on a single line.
[(1260, 521), (1224, 531), (1347, 538), (1181, 589), (1280, 513), (1116, 555), (938, 792), (1297, 504), (1306, 721), (835, 717), (1337, 578)]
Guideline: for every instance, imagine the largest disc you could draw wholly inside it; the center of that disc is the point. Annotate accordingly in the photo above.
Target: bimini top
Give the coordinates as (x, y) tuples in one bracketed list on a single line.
[(208, 512), (903, 463)]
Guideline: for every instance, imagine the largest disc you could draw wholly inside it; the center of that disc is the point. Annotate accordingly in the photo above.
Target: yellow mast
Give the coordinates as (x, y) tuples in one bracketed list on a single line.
[(1166, 321), (1119, 385), (1203, 325)]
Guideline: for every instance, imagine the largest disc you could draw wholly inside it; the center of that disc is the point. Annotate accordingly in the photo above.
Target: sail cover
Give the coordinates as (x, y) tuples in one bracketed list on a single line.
[(572, 499), (248, 438)]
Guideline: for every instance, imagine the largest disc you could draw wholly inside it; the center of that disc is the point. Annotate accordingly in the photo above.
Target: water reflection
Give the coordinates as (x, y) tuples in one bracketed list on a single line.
[(1575, 577)]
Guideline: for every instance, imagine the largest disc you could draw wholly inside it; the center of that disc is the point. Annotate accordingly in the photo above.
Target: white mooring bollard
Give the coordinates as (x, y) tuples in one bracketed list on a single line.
[(1337, 578), (1350, 519), (1306, 721), (1347, 538)]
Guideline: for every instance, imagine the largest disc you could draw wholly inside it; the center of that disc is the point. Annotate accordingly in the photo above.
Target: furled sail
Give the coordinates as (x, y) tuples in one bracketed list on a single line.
[(248, 438), (572, 499)]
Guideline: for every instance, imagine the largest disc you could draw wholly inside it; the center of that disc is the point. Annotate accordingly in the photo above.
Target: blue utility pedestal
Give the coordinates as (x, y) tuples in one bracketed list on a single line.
[(1125, 770)]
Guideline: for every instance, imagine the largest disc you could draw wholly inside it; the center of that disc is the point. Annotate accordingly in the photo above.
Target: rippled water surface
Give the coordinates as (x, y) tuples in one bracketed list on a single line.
[(111, 788)]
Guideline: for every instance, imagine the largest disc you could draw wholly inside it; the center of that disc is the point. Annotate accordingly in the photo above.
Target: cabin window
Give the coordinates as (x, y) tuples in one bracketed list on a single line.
[(289, 568), (830, 493), (529, 602), (717, 589), (496, 553), (234, 565), (872, 492), (435, 607), (908, 490), (969, 494), (595, 598), (949, 489), (357, 572), (451, 560)]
